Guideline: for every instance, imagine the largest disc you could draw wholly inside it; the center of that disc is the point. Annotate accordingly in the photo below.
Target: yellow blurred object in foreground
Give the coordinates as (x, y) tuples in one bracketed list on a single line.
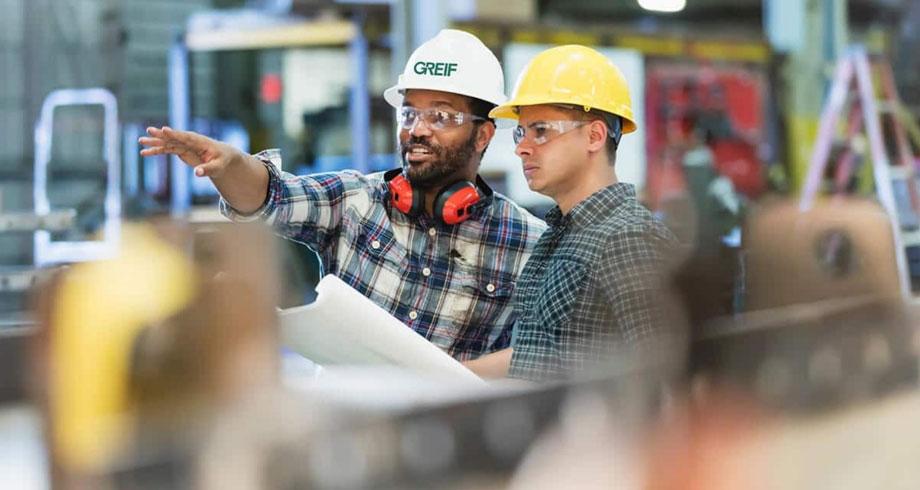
[(99, 311)]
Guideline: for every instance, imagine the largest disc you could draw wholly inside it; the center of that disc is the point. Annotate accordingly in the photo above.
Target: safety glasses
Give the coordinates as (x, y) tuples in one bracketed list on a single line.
[(436, 119), (542, 132)]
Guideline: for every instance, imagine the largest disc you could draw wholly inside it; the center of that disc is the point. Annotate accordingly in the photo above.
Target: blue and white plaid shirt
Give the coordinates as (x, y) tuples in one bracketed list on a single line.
[(451, 284)]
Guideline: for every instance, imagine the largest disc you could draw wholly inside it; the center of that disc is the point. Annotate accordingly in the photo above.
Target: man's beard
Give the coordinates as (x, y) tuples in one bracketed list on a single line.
[(444, 168)]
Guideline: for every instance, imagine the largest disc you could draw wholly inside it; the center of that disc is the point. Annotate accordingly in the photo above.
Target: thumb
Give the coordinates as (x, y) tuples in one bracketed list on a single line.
[(209, 169)]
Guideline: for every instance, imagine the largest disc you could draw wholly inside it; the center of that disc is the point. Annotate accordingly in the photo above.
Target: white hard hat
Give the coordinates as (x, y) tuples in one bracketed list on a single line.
[(453, 61)]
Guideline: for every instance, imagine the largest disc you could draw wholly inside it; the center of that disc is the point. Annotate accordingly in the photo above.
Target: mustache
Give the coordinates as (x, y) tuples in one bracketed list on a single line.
[(423, 142)]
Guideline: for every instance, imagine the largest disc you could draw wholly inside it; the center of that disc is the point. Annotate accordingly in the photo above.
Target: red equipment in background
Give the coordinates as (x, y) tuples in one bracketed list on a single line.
[(722, 105)]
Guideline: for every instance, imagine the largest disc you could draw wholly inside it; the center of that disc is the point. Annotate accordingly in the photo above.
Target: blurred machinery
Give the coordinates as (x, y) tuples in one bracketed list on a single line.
[(828, 277), (837, 249), (825, 355), (159, 370)]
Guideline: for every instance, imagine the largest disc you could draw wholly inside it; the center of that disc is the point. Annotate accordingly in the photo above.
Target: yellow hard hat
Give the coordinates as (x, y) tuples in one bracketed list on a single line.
[(574, 75)]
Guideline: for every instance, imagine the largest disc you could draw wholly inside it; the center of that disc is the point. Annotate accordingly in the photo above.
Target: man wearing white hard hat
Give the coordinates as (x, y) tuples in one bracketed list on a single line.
[(429, 241)]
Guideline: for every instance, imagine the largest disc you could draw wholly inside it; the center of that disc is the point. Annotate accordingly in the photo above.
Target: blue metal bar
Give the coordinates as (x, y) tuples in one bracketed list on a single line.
[(179, 116), (359, 101), (131, 159), (427, 18)]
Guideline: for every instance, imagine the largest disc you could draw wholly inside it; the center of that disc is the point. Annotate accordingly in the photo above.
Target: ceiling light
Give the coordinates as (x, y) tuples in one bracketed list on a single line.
[(663, 5)]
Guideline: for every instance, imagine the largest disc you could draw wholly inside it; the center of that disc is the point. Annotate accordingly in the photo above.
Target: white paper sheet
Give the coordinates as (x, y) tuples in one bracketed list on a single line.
[(344, 327)]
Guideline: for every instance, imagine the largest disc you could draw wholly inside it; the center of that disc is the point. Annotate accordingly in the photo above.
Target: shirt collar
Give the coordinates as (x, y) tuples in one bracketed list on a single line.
[(593, 209)]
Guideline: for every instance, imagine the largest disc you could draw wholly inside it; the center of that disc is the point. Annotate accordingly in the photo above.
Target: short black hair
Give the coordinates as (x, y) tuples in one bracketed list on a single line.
[(481, 108)]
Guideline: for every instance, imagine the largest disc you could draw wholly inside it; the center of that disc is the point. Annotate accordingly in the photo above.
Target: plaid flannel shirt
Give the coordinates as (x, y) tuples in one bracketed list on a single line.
[(590, 285), (451, 284)]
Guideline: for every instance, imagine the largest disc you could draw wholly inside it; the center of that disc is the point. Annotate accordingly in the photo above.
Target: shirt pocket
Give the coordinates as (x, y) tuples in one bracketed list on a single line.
[(383, 249), (560, 289), (479, 301), (375, 262)]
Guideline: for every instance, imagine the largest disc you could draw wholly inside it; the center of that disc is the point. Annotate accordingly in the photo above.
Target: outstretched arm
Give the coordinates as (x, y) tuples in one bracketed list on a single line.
[(240, 178)]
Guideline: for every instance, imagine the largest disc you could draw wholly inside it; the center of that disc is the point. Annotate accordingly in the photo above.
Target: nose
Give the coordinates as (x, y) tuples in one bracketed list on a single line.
[(420, 128), (523, 149)]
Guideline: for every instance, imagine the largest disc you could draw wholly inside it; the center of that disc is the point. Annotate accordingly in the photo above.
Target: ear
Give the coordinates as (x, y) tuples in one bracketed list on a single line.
[(597, 136), (484, 135)]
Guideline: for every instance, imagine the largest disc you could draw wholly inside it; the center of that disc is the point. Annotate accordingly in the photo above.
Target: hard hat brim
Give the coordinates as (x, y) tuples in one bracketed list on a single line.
[(509, 111)]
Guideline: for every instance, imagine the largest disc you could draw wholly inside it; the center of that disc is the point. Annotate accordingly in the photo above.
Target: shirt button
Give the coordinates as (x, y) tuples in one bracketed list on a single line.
[(426, 272), (432, 232), (490, 288), (413, 315), (375, 244)]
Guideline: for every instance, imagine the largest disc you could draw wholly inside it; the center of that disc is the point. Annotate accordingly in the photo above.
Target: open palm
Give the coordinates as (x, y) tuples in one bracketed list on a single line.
[(209, 157)]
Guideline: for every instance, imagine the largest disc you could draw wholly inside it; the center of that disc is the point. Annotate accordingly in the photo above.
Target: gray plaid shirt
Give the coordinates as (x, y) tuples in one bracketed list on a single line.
[(590, 285)]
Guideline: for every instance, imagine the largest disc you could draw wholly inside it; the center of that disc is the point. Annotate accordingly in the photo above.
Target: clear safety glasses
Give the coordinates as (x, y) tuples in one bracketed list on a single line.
[(436, 119), (542, 132)]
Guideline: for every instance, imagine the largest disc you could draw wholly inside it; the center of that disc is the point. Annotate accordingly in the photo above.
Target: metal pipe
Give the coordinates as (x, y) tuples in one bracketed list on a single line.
[(359, 100), (179, 113)]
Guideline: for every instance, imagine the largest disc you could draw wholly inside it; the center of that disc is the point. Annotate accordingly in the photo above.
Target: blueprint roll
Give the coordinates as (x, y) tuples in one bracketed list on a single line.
[(343, 327)]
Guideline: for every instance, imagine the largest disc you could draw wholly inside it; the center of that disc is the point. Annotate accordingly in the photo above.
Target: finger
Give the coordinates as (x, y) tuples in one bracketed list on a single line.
[(207, 169), (184, 137), (155, 132), (149, 152), (190, 155), (152, 142)]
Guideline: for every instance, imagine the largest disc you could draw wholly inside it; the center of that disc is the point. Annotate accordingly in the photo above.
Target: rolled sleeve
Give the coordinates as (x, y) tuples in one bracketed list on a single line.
[(272, 161), (306, 208)]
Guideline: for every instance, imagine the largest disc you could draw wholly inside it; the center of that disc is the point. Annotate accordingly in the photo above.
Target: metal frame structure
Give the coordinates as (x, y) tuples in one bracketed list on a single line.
[(291, 33), (48, 251)]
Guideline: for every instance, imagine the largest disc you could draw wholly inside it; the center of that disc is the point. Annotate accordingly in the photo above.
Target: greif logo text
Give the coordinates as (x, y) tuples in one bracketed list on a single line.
[(440, 69)]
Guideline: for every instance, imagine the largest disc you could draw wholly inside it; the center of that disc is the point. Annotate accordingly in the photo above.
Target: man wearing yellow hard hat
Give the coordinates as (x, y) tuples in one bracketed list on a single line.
[(591, 284)]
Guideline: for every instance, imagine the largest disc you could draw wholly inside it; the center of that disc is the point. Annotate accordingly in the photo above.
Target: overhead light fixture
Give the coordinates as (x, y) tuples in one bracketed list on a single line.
[(663, 5)]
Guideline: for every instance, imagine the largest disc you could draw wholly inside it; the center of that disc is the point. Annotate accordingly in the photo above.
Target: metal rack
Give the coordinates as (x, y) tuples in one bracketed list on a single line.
[(247, 30), (42, 221), (47, 250), (60, 220), (22, 278)]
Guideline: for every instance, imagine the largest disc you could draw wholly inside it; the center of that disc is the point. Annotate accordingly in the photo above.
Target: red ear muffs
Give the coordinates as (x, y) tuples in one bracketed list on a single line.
[(452, 204), (403, 198)]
